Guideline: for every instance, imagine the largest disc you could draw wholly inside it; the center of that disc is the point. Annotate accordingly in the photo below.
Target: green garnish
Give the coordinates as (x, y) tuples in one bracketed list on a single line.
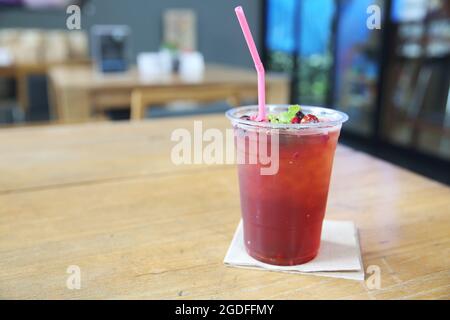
[(272, 118), (285, 117)]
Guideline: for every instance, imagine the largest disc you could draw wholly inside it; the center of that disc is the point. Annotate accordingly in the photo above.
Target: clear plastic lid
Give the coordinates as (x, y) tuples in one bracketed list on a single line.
[(328, 118)]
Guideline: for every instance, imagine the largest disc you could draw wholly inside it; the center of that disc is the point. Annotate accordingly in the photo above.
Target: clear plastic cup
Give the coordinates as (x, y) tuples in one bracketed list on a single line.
[(283, 211)]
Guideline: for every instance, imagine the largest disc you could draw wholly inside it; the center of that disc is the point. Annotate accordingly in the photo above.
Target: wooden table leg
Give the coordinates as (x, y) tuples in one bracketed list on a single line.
[(73, 105)]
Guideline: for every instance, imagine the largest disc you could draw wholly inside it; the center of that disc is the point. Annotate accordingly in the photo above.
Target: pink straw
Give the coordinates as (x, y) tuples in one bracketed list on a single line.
[(258, 65)]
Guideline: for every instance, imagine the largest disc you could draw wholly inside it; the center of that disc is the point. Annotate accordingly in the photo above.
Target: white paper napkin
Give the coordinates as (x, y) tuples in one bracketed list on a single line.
[(339, 255)]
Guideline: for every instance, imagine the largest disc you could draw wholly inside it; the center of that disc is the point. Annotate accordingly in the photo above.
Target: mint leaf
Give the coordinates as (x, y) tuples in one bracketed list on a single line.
[(285, 117), (294, 109), (272, 118)]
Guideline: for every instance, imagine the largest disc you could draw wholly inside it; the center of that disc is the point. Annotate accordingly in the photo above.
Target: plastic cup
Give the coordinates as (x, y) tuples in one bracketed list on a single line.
[(283, 212), (148, 65)]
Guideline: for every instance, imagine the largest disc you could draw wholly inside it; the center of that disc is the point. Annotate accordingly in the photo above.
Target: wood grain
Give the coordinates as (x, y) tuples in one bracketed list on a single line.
[(107, 198)]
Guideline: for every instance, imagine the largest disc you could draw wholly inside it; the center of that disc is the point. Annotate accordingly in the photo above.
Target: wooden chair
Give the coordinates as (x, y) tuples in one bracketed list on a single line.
[(142, 98)]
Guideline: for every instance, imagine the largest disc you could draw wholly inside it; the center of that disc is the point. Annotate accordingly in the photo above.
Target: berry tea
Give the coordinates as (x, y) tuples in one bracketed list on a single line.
[(283, 213)]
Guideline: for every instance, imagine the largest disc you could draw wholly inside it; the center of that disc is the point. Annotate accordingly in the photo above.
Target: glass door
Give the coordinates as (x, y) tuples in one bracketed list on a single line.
[(416, 107), (331, 54), (357, 65), (298, 41)]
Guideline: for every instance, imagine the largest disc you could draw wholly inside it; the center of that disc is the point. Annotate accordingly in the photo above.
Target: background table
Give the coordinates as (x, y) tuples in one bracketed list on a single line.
[(107, 198), (21, 73), (79, 93)]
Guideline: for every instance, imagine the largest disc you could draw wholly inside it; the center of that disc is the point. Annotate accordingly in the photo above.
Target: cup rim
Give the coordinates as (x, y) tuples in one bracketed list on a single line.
[(338, 117)]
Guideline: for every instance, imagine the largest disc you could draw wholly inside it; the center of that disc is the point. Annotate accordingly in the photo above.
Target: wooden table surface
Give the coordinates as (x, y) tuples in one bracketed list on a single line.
[(106, 197)]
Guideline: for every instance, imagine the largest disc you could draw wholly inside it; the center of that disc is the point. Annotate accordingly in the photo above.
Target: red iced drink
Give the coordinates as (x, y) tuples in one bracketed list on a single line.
[(283, 213)]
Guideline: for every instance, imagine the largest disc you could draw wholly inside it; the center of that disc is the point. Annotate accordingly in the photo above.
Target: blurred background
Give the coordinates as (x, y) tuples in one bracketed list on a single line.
[(64, 61)]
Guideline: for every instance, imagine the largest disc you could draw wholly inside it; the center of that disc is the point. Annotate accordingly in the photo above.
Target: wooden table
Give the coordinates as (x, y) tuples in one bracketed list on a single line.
[(106, 197), (79, 93), (21, 72)]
